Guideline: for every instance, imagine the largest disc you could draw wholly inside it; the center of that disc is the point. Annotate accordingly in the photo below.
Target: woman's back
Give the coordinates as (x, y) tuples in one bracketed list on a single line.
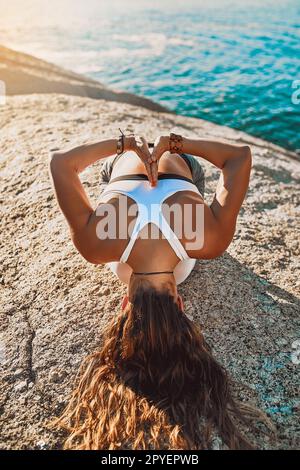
[(166, 220)]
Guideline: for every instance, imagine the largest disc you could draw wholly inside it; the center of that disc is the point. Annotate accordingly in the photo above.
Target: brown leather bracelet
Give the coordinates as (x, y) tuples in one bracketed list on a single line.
[(121, 141), (175, 143), (120, 145)]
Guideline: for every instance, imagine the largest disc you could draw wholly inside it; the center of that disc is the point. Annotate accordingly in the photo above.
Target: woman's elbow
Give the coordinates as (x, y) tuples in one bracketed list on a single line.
[(245, 158), (56, 159), (53, 158), (247, 154)]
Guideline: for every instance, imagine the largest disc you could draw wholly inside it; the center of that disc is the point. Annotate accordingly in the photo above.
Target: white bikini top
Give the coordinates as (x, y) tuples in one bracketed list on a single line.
[(149, 201)]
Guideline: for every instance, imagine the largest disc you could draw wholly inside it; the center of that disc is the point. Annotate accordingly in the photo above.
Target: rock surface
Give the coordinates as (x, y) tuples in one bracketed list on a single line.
[(24, 74), (54, 304)]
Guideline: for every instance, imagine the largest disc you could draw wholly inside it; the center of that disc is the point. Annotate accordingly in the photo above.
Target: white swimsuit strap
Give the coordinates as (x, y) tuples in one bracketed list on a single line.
[(157, 218), (172, 238), (136, 230)]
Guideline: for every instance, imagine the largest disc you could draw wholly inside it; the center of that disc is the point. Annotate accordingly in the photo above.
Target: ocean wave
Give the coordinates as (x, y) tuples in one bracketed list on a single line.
[(234, 65), (156, 41)]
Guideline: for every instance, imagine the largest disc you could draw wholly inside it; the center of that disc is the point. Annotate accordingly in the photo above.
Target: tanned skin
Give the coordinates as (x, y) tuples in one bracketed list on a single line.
[(233, 161)]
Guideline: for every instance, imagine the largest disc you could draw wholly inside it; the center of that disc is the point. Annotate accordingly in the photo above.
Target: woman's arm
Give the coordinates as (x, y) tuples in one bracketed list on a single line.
[(217, 153), (79, 158), (65, 168), (235, 162)]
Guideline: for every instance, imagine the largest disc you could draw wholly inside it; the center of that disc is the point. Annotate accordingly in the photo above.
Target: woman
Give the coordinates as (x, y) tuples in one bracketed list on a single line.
[(154, 383)]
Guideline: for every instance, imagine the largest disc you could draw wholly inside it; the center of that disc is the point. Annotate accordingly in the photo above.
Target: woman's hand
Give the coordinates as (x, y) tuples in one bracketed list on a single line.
[(161, 145), (140, 146)]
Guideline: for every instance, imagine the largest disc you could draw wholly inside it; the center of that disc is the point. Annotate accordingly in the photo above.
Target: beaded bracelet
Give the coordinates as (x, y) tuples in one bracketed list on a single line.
[(175, 143)]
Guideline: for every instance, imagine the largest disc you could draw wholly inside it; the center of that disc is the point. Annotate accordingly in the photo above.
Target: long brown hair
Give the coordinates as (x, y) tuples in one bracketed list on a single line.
[(154, 384)]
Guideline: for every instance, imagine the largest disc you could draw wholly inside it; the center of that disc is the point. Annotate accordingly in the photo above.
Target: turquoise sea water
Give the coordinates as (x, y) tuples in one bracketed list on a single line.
[(230, 62)]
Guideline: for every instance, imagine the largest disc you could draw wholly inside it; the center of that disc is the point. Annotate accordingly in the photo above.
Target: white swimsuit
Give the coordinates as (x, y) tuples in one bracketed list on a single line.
[(149, 200)]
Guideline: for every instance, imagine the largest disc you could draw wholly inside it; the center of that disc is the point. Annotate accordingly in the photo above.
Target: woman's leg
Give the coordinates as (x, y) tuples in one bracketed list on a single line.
[(183, 269), (122, 270), (106, 171), (193, 163), (197, 171)]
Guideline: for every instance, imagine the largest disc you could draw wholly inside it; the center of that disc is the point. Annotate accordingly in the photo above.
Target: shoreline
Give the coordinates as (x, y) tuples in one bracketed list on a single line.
[(25, 74)]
